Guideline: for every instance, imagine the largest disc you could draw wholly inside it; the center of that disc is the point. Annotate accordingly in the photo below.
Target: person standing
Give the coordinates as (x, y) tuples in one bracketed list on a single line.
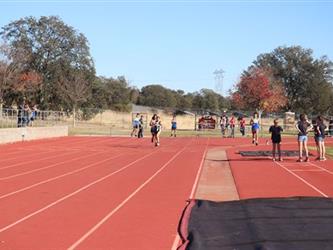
[(33, 114), (275, 131), (242, 125), (173, 126), (223, 124), (136, 123), (157, 131), (255, 126), (319, 131), (152, 126), (232, 123), (140, 133), (303, 127)]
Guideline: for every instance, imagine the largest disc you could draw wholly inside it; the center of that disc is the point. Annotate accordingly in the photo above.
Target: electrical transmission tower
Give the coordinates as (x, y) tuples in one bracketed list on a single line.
[(219, 75)]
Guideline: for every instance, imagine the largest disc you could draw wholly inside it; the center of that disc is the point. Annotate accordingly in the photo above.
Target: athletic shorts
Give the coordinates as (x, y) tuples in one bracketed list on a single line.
[(255, 130), (302, 138)]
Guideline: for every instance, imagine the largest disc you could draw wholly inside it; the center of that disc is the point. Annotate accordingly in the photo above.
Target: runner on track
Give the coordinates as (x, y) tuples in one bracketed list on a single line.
[(255, 128), (152, 124), (156, 128), (173, 126), (136, 124)]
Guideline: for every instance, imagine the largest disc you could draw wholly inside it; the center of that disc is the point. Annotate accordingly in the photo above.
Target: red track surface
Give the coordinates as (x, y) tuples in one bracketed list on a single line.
[(122, 193)]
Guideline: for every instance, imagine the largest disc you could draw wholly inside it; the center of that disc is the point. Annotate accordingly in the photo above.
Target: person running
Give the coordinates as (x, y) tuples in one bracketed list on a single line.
[(275, 131), (152, 124), (303, 127), (242, 125), (140, 133), (255, 128), (136, 124), (173, 126), (232, 123), (223, 124), (157, 131), (319, 131)]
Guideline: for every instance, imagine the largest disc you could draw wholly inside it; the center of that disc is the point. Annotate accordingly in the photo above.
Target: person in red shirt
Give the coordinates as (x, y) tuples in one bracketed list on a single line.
[(242, 125), (232, 124)]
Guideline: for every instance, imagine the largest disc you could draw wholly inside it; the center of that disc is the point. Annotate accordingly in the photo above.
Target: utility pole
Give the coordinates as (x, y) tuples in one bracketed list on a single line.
[(219, 75)]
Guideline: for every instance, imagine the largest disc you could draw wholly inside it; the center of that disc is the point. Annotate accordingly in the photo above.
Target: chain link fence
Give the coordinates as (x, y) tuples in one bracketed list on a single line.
[(108, 122)]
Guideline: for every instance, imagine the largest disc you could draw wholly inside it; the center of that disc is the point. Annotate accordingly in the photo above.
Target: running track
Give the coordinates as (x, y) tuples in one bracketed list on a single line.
[(122, 193)]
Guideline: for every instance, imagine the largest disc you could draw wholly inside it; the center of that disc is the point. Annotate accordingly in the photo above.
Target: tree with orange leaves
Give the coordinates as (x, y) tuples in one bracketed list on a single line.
[(258, 90)]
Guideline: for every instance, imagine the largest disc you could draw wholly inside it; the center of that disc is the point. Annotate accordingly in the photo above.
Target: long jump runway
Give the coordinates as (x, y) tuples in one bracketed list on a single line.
[(123, 193)]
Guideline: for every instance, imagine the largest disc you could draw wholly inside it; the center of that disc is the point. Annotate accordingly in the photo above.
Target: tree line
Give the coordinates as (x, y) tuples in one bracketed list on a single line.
[(47, 62), (288, 78)]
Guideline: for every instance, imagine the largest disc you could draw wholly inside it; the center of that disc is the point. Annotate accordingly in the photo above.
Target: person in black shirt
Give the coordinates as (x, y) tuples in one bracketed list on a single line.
[(140, 133), (319, 132), (303, 127), (275, 131)]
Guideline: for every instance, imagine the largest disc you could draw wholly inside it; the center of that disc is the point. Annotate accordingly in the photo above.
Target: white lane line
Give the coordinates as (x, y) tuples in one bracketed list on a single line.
[(323, 169), (59, 176), (303, 180), (72, 194), (306, 170), (47, 167), (94, 228), (176, 241), (34, 160), (22, 163)]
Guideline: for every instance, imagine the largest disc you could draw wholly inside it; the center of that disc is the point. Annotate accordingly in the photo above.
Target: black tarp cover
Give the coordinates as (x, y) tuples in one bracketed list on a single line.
[(300, 223), (269, 153)]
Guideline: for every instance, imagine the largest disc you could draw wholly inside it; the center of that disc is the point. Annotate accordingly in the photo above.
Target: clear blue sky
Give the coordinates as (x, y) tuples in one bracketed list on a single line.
[(179, 44)]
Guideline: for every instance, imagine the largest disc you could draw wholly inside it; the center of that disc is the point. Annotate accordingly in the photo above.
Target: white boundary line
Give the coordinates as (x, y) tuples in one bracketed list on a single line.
[(306, 170), (41, 159), (59, 176), (94, 228), (323, 169), (36, 160), (72, 194), (177, 237), (303, 180)]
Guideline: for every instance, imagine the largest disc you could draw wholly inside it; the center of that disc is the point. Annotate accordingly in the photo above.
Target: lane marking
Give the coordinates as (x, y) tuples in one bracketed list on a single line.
[(306, 170), (47, 167), (59, 176), (303, 180), (101, 222), (34, 160), (41, 159), (323, 169), (176, 241), (73, 193)]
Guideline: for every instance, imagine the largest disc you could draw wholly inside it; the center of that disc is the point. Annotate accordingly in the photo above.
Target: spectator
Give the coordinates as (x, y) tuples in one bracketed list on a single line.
[(33, 114), (140, 134), (136, 123), (242, 125), (232, 123)]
